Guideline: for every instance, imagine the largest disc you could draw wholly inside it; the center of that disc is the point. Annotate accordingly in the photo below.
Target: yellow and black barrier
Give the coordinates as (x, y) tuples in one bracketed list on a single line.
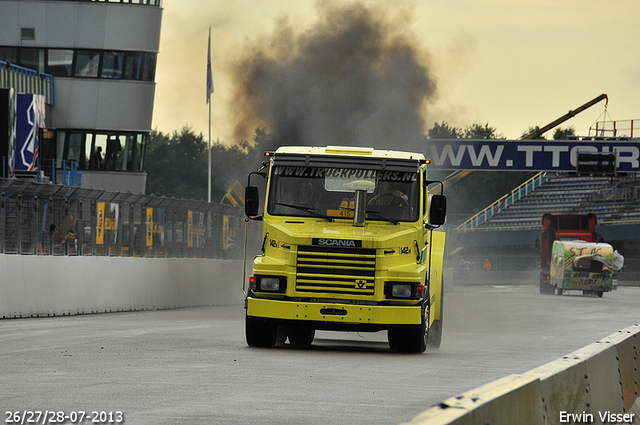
[(595, 384)]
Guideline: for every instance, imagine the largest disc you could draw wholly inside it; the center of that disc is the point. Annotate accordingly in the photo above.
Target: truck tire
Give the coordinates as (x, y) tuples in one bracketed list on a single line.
[(434, 333), (410, 338), (546, 288), (260, 332), (302, 337)]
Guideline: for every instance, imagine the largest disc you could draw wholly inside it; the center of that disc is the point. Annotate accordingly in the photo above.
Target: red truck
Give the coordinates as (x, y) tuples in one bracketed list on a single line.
[(558, 227)]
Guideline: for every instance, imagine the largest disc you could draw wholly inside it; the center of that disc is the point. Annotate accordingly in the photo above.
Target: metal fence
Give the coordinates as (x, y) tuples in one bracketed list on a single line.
[(51, 219)]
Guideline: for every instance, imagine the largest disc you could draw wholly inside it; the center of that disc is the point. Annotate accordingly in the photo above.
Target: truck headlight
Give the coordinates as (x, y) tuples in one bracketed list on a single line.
[(401, 290), (271, 284)]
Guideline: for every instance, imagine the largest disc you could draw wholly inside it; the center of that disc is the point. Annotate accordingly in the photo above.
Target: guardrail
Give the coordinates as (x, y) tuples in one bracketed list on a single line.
[(501, 204), (596, 384)]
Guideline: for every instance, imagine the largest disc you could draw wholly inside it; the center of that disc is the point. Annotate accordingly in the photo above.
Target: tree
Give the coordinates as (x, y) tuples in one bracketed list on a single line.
[(479, 131), (444, 131), (564, 133), (177, 165), (531, 130)]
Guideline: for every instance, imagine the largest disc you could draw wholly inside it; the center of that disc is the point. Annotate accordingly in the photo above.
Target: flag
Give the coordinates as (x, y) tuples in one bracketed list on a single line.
[(209, 77)]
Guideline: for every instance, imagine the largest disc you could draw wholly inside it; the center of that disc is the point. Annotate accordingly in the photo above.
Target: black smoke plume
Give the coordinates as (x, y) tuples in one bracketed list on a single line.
[(357, 77)]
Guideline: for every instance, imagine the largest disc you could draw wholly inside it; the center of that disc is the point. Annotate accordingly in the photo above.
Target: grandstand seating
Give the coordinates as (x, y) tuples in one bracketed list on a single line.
[(613, 200)]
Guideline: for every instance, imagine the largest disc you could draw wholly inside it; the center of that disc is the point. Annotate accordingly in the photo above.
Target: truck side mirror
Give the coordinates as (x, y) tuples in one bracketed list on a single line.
[(251, 201), (437, 210)]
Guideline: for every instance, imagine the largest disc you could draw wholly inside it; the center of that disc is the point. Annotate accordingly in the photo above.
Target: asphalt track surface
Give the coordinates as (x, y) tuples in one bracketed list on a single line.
[(192, 366)]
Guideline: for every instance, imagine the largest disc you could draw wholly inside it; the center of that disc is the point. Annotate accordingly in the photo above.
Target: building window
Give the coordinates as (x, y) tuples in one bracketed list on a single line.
[(139, 66), (87, 63), (60, 62), (32, 59), (112, 65), (74, 150), (149, 66), (110, 151), (9, 54), (133, 65)]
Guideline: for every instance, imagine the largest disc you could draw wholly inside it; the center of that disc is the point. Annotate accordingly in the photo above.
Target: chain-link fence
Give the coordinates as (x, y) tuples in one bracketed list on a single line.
[(50, 219)]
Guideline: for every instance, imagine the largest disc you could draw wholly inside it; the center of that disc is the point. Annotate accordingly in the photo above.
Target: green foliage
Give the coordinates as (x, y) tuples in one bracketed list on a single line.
[(564, 133), (474, 131), (444, 131), (479, 131), (531, 130), (177, 165)]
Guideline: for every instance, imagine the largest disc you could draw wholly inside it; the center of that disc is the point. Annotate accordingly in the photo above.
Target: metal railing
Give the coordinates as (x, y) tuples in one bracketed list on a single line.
[(53, 219), (25, 80), (618, 128), (501, 204)]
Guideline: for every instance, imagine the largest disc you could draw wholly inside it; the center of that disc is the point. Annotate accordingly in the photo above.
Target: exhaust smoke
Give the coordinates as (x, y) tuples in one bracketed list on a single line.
[(356, 77)]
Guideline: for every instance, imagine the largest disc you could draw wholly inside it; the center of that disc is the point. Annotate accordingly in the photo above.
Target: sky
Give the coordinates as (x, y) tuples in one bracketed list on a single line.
[(509, 63)]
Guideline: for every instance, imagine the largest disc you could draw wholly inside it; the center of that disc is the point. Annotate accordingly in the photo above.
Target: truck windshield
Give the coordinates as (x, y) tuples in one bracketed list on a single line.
[(330, 192)]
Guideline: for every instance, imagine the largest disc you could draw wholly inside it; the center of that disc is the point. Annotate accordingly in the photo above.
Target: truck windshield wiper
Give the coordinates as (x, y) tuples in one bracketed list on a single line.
[(377, 214), (380, 216), (309, 210)]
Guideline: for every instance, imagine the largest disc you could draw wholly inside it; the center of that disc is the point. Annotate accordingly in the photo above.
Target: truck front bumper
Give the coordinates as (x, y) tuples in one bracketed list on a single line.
[(335, 313)]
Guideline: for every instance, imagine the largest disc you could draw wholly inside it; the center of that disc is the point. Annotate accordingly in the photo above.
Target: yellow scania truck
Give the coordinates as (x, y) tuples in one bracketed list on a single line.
[(351, 242)]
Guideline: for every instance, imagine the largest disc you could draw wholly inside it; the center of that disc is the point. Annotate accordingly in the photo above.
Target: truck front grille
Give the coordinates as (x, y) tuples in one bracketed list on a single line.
[(336, 270)]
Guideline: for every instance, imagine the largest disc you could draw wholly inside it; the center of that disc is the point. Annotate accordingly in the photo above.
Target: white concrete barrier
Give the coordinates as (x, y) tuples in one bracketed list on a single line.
[(32, 286), (597, 384)]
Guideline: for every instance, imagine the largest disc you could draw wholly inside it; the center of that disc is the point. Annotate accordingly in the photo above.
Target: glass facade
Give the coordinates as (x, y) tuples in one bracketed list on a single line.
[(102, 150), (141, 2), (82, 63)]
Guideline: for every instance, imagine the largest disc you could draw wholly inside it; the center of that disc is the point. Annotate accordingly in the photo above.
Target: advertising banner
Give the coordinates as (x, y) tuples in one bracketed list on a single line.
[(107, 223), (29, 120), (530, 155), (100, 223), (155, 227), (149, 227), (195, 237)]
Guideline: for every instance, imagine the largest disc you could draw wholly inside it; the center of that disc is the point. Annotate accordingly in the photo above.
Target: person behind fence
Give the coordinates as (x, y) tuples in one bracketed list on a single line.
[(486, 265), (72, 221), (58, 239), (70, 242), (45, 240)]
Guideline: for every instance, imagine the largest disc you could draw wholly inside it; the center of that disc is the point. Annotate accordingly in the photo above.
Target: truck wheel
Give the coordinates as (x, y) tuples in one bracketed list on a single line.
[(260, 332), (410, 338), (282, 334), (301, 336), (434, 333), (546, 288)]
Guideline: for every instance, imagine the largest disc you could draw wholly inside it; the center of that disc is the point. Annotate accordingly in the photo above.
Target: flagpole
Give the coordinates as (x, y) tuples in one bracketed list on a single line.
[(209, 79), (209, 173)]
